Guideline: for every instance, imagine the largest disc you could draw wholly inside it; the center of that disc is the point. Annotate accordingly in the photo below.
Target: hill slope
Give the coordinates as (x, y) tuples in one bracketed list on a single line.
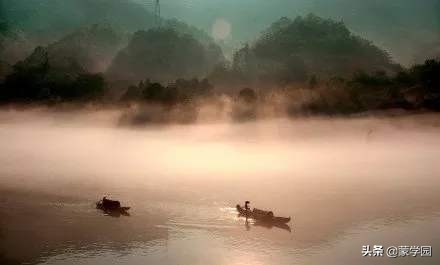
[(51, 19), (164, 54), (292, 50), (33, 23), (91, 47), (406, 28)]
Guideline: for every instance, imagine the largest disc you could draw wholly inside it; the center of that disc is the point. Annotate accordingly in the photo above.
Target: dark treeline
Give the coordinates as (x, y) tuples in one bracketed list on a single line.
[(412, 89), (178, 101), (36, 79), (178, 92)]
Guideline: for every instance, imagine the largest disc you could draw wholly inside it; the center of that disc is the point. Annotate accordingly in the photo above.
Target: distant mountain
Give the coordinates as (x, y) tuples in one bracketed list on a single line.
[(294, 50), (165, 54), (33, 23), (52, 19), (403, 27), (87, 50), (184, 28), (26, 24), (53, 70), (92, 48), (50, 75)]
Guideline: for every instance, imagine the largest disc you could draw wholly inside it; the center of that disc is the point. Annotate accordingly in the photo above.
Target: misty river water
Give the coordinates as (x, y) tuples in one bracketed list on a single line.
[(345, 183)]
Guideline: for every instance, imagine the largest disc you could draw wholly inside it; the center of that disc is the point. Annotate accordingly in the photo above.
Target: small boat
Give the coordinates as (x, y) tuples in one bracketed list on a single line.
[(112, 207), (263, 216)]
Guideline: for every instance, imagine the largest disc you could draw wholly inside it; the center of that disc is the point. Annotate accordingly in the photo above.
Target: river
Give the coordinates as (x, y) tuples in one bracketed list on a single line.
[(346, 183)]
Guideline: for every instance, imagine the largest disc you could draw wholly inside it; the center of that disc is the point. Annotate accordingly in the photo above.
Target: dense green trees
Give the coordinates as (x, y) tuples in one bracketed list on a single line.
[(163, 54), (426, 81), (35, 79), (306, 48), (92, 48), (63, 70), (245, 107), (4, 32), (415, 88), (156, 103), (44, 22), (291, 51), (181, 91), (4, 27)]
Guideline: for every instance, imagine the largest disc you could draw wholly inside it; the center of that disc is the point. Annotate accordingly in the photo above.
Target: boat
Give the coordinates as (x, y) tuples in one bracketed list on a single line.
[(112, 207), (262, 216)]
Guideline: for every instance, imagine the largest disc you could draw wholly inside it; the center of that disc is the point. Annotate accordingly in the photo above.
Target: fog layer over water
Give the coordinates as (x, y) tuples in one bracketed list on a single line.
[(345, 183)]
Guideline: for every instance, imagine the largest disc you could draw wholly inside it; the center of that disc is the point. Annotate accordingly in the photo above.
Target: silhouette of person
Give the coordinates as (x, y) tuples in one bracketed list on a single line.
[(247, 208), (246, 205)]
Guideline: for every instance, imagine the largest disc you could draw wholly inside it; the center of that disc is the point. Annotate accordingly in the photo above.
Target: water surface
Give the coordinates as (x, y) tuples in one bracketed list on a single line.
[(345, 183)]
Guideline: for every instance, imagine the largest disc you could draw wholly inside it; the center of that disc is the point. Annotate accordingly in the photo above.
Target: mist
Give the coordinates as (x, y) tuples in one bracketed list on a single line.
[(77, 147)]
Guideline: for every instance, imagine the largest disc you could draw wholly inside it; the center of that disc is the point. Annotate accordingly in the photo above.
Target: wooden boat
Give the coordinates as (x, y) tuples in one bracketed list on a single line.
[(264, 216), (112, 208)]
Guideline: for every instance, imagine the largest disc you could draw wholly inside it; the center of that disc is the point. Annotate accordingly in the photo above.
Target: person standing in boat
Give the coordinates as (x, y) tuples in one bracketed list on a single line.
[(247, 208), (246, 205)]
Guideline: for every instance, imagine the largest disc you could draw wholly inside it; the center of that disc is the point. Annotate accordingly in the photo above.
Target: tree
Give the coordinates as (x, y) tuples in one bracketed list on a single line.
[(428, 75), (313, 82), (88, 86), (245, 107), (247, 95)]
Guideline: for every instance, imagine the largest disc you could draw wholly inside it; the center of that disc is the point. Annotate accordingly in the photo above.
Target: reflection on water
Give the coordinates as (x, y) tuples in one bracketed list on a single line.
[(272, 225), (346, 183)]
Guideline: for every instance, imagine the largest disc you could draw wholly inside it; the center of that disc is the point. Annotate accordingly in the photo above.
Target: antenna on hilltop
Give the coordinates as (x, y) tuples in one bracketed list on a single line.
[(157, 13)]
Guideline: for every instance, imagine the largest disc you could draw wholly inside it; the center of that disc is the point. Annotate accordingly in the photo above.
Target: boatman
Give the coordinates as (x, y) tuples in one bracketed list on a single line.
[(247, 208), (246, 205)]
